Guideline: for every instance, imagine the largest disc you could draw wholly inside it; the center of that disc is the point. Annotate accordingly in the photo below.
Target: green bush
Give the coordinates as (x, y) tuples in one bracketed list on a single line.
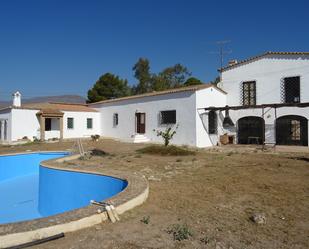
[(167, 134)]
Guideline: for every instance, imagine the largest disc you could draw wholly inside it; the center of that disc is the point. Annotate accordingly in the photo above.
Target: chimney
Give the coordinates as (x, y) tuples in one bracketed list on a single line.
[(232, 62), (16, 99)]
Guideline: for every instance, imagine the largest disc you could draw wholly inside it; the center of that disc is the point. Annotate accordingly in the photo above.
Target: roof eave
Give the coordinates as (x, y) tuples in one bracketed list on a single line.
[(259, 57)]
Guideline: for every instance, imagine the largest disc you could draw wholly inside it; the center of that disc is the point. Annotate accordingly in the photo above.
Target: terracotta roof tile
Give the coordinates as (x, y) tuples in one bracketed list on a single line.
[(58, 107), (169, 91), (260, 56)]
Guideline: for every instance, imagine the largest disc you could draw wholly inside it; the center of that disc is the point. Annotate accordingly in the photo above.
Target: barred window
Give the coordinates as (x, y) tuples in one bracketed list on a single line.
[(292, 89), (212, 122), (70, 123), (249, 93), (168, 117), (115, 119), (89, 123)]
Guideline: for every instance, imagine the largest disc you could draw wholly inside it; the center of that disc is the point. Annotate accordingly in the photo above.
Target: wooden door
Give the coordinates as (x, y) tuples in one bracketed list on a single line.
[(140, 123)]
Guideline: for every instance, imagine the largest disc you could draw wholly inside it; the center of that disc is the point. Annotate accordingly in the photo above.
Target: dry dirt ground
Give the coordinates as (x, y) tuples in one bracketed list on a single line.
[(213, 193)]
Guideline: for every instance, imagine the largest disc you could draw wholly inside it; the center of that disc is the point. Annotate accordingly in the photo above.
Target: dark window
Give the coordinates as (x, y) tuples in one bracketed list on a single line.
[(47, 124), (249, 93), (168, 117), (115, 119), (70, 123), (292, 89), (89, 123), (212, 122), (251, 130)]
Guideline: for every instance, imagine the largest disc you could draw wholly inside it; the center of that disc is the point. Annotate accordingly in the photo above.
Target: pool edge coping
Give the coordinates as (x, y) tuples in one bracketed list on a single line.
[(17, 238)]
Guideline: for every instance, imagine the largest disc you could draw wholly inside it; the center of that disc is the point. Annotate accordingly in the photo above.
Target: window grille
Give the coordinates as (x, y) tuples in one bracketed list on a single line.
[(70, 123), (295, 130), (249, 93), (168, 117), (212, 122), (290, 90)]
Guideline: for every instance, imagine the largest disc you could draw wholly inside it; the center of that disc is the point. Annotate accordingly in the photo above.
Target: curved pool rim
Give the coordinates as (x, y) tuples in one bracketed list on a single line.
[(133, 195)]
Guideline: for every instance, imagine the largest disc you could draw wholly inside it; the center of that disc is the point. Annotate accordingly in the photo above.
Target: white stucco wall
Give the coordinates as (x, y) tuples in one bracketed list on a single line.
[(80, 124), (206, 98), (24, 123), (7, 115), (55, 129), (268, 73), (182, 102)]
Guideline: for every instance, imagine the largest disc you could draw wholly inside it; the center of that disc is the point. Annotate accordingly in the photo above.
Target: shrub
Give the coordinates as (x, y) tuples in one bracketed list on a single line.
[(98, 152), (35, 139), (146, 220), (166, 150), (180, 232), (95, 137), (167, 135)]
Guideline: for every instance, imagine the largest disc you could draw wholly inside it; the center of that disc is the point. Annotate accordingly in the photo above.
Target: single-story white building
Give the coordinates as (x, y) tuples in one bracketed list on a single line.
[(45, 121), (263, 99), (137, 118)]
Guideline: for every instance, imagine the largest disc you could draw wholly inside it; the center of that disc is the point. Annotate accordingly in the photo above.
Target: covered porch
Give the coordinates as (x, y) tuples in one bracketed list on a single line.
[(51, 124)]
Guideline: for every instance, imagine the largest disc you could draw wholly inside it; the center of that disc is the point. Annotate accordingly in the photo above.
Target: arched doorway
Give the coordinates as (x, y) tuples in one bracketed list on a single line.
[(292, 130), (250, 130)]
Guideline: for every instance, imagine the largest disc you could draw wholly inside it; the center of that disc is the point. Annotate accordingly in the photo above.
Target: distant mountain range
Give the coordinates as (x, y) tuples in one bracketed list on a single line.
[(61, 98)]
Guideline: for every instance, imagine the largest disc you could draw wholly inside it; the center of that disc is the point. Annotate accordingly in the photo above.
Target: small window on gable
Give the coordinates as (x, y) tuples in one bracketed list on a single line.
[(168, 117), (89, 123), (70, 123), (115, 119), (249, 93), (212, 122), (292, 89)]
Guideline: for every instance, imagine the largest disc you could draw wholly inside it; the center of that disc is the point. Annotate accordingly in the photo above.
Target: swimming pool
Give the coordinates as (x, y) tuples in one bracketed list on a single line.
[(29, 191)]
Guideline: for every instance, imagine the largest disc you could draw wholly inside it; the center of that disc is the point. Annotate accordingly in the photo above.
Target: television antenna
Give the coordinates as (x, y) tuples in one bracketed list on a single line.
[(222, 52)]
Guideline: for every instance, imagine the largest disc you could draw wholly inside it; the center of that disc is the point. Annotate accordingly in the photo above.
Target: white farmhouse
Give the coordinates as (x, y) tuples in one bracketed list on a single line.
[(264, 99), (267, 101)]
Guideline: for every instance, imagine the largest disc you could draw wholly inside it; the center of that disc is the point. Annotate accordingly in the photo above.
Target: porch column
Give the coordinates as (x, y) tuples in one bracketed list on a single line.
[(42, 128), (61, 127)]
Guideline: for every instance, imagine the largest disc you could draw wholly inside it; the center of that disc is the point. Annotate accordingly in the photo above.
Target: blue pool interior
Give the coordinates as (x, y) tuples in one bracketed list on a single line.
[(29, 191)]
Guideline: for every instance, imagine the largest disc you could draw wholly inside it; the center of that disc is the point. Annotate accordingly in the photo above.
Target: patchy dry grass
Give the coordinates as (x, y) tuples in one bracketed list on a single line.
[(213, 192)]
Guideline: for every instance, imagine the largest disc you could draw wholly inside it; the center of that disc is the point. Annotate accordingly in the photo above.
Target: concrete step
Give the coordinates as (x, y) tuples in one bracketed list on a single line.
[(140, 138)]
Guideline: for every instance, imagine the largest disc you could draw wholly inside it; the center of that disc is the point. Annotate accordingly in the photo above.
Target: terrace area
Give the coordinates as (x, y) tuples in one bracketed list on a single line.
[(202, 200)]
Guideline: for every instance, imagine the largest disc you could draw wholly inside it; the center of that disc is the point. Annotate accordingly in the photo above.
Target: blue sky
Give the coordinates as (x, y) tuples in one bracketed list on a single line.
[(51, 47)]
